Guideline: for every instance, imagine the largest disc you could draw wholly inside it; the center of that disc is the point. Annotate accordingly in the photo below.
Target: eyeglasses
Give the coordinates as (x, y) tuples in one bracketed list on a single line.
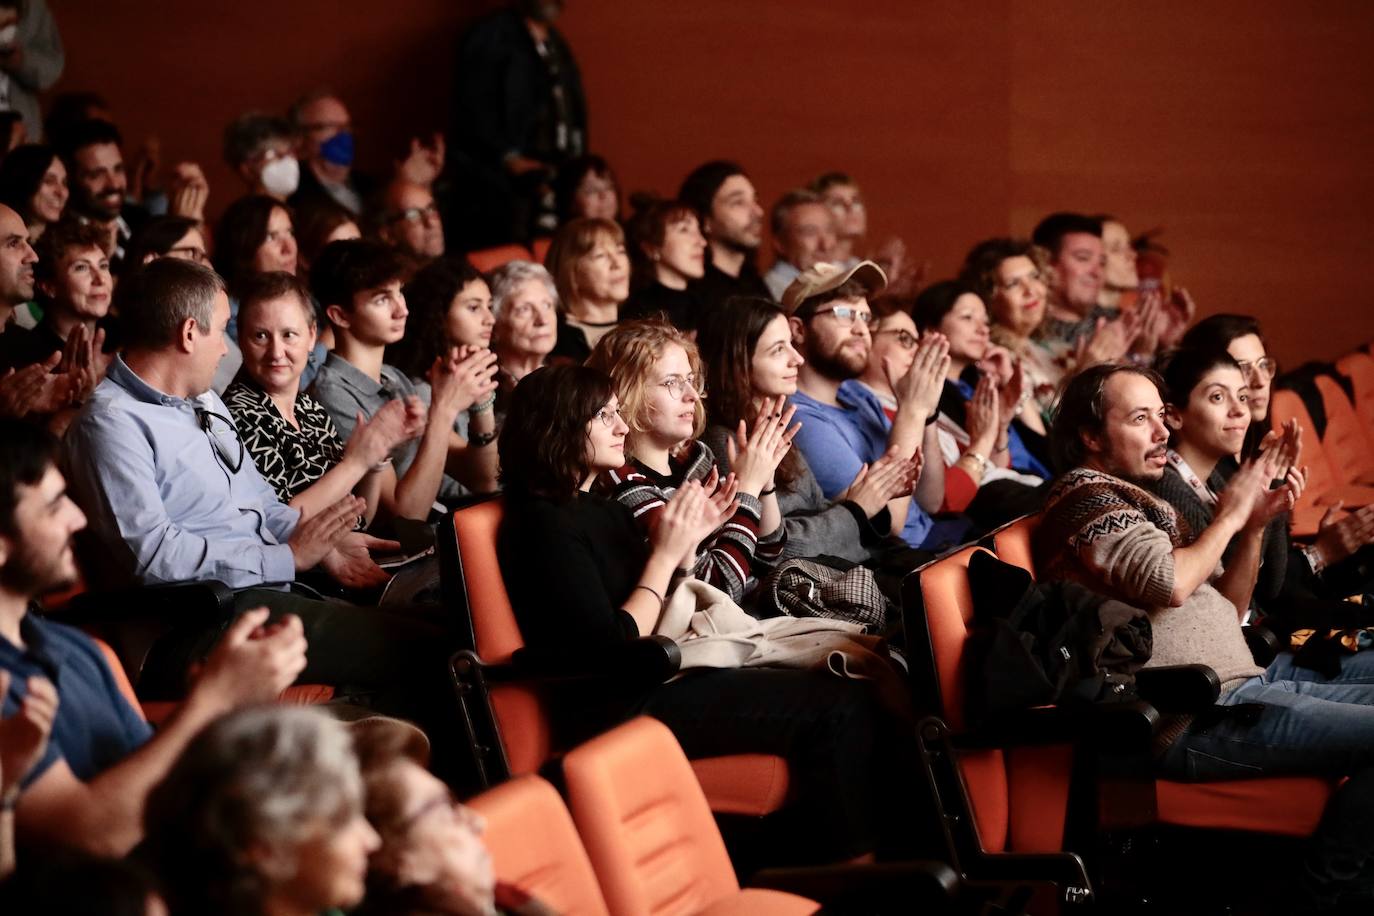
[(1267, 367), (608, 418), (845, 203), (416, 214), (229, 455), (190, 253), (677, 384), (847, 314), (905, 339)]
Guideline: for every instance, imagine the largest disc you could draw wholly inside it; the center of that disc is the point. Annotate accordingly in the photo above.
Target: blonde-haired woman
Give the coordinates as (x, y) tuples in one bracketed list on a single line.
[(592, 273), (659, 378)]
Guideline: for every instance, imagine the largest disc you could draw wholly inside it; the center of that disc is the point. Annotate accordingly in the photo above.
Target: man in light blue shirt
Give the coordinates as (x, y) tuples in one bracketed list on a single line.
[(843, 426)]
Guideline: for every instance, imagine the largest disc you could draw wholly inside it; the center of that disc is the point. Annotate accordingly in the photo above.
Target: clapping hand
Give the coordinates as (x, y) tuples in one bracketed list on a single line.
[(24, 735), (424, 163), (755, 452), (919, 389), (888, 478)]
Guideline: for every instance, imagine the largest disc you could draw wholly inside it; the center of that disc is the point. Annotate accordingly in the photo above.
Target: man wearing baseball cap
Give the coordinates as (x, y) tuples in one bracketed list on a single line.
[(843, 424)]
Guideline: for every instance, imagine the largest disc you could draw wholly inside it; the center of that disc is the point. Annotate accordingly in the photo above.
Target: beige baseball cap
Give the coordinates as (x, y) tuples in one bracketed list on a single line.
[(824, 277)]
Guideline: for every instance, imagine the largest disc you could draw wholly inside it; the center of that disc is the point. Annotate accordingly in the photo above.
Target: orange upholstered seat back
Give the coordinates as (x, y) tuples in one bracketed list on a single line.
[(1359, 368), (488, 259), (1013, 543), (120, 677), (534, 846), (648, 831), (1345, 442), (519, 710), (1287, 405)]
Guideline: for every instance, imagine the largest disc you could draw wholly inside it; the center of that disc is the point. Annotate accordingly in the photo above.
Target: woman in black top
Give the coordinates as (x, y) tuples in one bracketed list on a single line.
[(581, 575), (667, 250)]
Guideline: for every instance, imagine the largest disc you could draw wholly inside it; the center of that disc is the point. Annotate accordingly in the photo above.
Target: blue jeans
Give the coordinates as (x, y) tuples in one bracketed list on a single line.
[(1311, 725)]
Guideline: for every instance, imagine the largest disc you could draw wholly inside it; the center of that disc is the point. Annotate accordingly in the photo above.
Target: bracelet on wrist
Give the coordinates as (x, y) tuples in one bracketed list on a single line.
[(978, 459), (651, 591), (768, 492), (487, 403), (934, 415)]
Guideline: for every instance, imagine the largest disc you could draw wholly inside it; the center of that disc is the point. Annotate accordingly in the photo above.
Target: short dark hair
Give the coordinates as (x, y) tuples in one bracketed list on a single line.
[(1215, 332), (1082, 409), (699, 188), (241, 230), (979, 272), (827, 180), (1181, 370), (153, 301), (68, 109), (569, 178), (156, 237), (91, 132), (936, 301), (647, 227), (543, 444), (21, 175), (60, 237), (1050, 232), (789, 202), (274, 284), (428, 295), (246, 134), (26, 453), (350, 266)]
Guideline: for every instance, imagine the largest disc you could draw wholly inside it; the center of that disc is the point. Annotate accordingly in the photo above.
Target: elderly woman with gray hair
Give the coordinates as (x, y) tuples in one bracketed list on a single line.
[(525, 303), (262, 814)]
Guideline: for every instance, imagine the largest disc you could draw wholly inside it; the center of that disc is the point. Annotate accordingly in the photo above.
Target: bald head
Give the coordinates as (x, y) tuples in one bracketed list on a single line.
[(16, 262), (410, 221)]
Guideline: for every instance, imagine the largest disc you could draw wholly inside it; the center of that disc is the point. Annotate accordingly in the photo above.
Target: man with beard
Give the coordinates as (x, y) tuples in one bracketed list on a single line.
[(92, 153), (843, 426), (728, 211), (1102, 529), (88, 786)]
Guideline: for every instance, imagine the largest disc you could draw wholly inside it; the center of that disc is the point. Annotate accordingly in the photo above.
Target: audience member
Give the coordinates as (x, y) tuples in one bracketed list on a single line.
[(33, 183), (73, 283), (31, 59), (658, 376), (358, 284), (843, 423), (1119, 278), (519, 116), (749, 360), (88, 786), (317, 224), (432, 859), (287, 433), (36, 389), (92, 153), (667, 252), (1101, 529), (586, 188), (168, 237), (730, 217), (262, 813), (582, 576), (592, 272), (524, 301), (408, 220), (845, 199), (24, 736), (803, 235), (1008, 275), (261, 150), (325, 130)]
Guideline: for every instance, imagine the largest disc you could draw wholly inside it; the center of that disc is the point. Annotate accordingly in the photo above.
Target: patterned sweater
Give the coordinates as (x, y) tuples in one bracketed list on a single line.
[(727, 557), (1118, 540)]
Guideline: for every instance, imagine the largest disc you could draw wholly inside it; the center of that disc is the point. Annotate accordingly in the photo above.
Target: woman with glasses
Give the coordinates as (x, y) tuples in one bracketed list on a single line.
[(592, 273), (658, 374), (583, 578), (750, 360)]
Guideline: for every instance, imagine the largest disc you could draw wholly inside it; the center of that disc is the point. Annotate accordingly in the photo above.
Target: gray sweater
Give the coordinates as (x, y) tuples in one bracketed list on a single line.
[(815, 526)]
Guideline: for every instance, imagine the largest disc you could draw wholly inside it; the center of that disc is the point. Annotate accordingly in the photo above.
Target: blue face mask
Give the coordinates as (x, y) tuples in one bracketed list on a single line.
[(338, 149)]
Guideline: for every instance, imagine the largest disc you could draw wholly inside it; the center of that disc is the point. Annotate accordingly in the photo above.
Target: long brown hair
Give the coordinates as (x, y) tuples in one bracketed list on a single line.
[(727, 343)]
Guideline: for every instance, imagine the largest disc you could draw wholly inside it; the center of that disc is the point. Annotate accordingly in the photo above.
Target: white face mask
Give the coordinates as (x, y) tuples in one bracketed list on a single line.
[(8, 34), (281, 176)]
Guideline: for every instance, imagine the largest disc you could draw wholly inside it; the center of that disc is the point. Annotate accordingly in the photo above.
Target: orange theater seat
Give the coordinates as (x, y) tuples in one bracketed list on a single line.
[(743, 784), (1324, 487), (1346, 441), (540, 248), (1359, 368), (488, 259), (649, 832), (535, 847)]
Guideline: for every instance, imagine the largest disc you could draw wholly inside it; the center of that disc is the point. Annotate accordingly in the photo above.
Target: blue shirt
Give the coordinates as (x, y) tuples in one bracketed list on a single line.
[(95, 726), (162, 494), (838, 440), (1021, 457)]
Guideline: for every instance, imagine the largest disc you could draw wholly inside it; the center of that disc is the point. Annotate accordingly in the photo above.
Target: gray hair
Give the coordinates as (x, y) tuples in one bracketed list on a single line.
[(248, 134), (155, 300), (789, 202), (266, 776), (509, 277)]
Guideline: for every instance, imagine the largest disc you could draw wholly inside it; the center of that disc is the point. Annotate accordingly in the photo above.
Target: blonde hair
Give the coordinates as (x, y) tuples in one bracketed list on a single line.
[(574, 241), (627, 354)]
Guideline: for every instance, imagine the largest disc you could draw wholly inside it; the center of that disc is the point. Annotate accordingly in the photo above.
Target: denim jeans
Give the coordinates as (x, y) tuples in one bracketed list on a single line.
[(1311, 725)]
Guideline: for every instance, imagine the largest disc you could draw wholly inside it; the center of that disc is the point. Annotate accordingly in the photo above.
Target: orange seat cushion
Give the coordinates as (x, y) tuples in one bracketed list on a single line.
[(752, 901), (488, 259), (752, 784), (1284, 805)]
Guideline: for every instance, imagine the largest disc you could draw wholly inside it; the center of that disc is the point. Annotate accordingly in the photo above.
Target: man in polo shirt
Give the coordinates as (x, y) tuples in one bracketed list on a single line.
[(88, 786), (843, 425), (358, 284)]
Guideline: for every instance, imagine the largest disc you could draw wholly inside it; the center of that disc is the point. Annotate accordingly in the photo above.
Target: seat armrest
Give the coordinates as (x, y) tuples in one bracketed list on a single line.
[(649, 659), (1178, 688), (885, 887), (1115, 725), (1264, 644), (171, 601)]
